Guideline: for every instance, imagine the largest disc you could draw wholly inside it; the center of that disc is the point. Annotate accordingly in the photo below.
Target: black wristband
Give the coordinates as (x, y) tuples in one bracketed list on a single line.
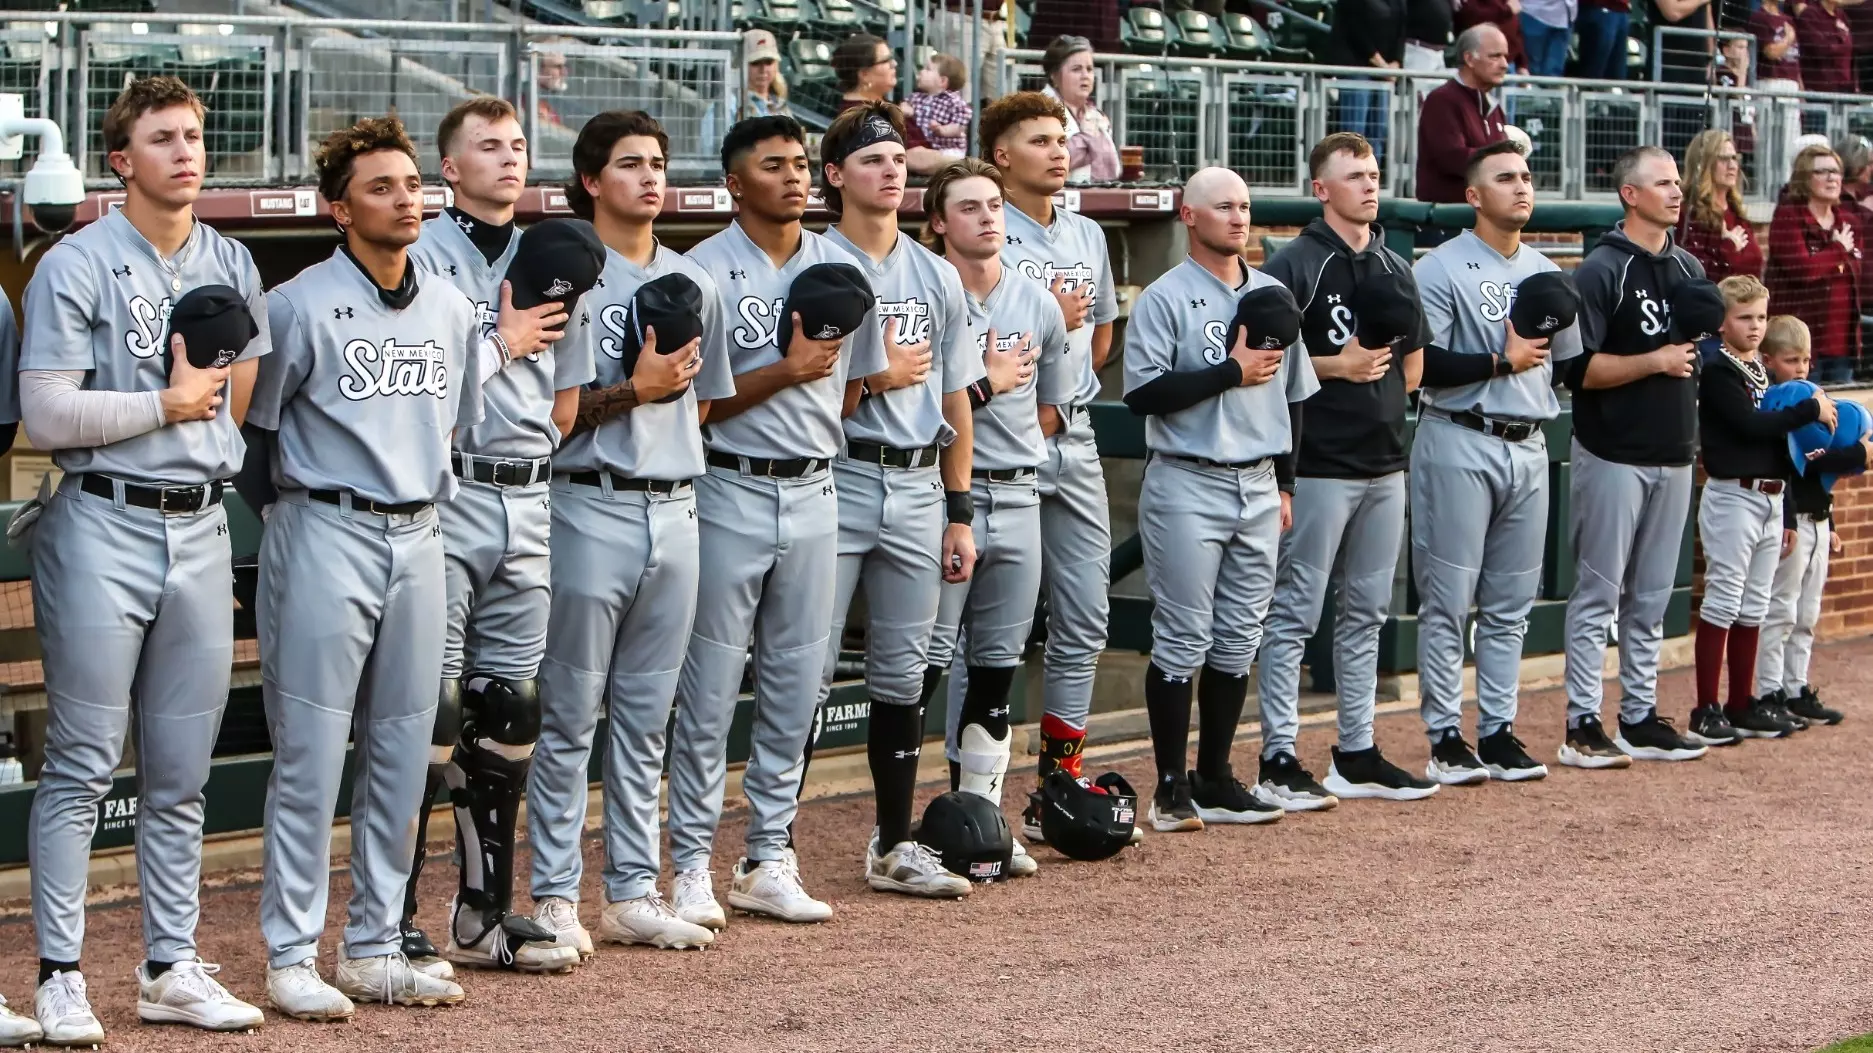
[(960, 506)]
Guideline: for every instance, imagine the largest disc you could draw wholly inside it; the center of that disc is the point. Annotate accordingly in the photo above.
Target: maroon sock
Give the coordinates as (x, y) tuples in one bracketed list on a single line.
[(1743, 663), (1709, 660)]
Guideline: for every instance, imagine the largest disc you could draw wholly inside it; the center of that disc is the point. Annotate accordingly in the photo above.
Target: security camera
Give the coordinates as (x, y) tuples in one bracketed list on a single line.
[(54, 187)]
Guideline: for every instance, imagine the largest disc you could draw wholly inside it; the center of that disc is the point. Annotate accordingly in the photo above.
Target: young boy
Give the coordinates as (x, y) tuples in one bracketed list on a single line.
[(1739, 519), (1808, 539), (938, 107)]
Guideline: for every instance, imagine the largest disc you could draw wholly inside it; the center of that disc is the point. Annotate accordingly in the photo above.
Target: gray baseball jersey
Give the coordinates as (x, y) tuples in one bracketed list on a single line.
[(99, 302), (1181, 322), (1466, 288), (349, 356), (659, 440), (517, 419), (1007, 431), (1072, 247), (9, 364), (802, 420), (925, 294)]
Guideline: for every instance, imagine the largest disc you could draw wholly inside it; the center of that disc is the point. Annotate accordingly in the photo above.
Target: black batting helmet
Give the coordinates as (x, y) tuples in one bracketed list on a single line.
[(1089, 822), (967, 831)]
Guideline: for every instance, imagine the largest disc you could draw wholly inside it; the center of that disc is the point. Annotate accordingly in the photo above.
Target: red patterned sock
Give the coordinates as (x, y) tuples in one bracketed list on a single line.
[(1061, 745), (1709, 660), (1743, 662)]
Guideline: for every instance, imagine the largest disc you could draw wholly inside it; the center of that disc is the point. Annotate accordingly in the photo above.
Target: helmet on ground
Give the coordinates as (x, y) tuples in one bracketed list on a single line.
[(969, 834), (1087, 821)]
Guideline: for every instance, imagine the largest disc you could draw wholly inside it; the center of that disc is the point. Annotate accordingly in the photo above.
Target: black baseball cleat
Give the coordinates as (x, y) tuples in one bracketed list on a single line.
[(1223, 799), (1712, 728), (1453, 763), (1758, 719), (1286, 783), (1778, 702), (1588, 747), (1653, 737), (1807, 705), (1505, 758), (1172, 810), (1366, 773)]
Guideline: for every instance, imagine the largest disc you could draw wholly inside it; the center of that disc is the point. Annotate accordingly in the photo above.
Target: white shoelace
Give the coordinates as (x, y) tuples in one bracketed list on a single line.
[(693, 888), (921, 858), (787, 869), (660, 906), (65, 992), (560, 915), (197, 979)]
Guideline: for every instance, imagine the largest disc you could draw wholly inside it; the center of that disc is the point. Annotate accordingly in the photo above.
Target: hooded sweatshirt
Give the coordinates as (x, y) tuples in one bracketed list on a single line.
[(1625, 309), (1354, 430)]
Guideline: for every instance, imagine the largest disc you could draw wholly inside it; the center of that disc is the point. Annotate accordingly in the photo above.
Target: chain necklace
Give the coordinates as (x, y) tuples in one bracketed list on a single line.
[(1755, 376)]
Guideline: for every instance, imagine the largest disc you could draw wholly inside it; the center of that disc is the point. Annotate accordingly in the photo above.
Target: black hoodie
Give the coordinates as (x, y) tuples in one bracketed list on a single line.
[(1354, 430), (1625, 309)]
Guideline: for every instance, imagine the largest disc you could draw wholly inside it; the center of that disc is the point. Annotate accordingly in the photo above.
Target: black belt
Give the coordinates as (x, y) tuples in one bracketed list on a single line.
[(169, 500), (365, 504), (1506, 430), (1771, 487), (770, 467), (1234, 466), (1005, 475), (664, 487), (502, 472), (892, 456)]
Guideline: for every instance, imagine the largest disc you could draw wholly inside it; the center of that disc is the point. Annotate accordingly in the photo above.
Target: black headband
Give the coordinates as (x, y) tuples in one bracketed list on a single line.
[(873, 131)]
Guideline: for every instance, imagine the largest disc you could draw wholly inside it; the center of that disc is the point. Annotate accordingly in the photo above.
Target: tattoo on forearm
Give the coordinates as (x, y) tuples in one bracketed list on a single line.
[(597, 407)]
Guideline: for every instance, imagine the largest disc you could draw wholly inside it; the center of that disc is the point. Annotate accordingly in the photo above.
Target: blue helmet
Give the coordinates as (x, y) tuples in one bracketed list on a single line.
[(1853, 426), (1815, 436)]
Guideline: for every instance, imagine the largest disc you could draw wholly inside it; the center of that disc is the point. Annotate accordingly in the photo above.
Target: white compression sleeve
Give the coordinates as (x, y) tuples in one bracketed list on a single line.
[(492, 360), (59, 414)]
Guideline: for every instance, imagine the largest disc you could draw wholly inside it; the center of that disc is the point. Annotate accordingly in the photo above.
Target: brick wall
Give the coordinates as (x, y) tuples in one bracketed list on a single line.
[(1847, 604)]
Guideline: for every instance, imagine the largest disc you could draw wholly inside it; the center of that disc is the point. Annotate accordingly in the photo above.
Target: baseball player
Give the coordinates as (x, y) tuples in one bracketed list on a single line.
[(625, 553), (1024, 135), (1739, 517), (769, 521), (373, 365), (1349, 488), (1223, 419), (1479, 467), (1635, 434), (905, 513), (494, 535), (982, 624), (132, 576)]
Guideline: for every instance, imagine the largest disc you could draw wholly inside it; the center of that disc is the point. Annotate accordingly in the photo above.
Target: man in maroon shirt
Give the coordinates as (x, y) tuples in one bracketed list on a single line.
[(1461, 115), (1505, 15), (1826, 47)]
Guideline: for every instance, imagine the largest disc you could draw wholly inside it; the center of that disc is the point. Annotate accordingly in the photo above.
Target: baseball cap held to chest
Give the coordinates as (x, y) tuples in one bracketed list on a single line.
[(215, 325), (1696, 311), (831, 299), (557, 261), (670, 304), (1384, 310), (1268, 317), (1545, 304)]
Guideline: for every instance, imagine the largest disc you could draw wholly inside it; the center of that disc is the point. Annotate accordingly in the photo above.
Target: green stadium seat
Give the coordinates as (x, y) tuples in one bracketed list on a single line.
[(1243, 37), (837, 18), (1145, 31), (1197, 35), (236, 100), (810, 79), (780, 17), (604, 10)]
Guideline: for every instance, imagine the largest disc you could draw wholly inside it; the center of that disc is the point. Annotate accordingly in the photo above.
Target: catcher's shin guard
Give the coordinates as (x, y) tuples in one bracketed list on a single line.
[(447, 731), (500, 724), (984, 740)]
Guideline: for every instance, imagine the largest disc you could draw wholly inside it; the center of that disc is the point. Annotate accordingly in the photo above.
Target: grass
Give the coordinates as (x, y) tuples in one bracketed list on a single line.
[(1863, 1044)]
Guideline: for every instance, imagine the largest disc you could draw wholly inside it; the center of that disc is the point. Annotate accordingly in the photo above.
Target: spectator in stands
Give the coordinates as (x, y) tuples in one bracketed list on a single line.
[(1733, 72), (1071, 77), (1366, 33), (1815, 264), (1856, 158), (1826, 56), (1427, 34), (953, 30), (766, 89), (938, 106), (1685, 49), (1780, 68), (1505, 15), (549, 79), (1712, 225), (1461, 115), (1547, 26), (867, 71), (1860, 24), (1604, 26)]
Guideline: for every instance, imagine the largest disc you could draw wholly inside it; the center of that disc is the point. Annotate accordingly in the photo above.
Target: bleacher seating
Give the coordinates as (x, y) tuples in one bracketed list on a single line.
[(1197, 35), (1145, 31)]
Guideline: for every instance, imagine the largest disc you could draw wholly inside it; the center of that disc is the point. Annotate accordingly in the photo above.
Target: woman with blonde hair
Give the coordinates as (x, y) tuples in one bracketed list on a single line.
[(1814, 262), (765, 90), (1712, 225)]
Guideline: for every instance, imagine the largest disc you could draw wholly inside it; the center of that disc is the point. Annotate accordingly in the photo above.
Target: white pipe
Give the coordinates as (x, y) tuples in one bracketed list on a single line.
[(51, 138)]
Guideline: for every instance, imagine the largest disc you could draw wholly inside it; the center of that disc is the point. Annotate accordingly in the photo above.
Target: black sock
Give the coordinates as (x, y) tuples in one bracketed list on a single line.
[(153, 968), (48, 966), (932, 676), (986, 701), (1167, 706), (1220, 697), (893, 743)]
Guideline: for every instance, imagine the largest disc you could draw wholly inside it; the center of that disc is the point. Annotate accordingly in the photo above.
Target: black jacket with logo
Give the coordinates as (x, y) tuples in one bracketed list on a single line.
[(1354, 430)]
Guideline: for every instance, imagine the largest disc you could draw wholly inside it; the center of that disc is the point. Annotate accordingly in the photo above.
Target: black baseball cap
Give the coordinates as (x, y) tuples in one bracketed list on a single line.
[(558, 261), (215, 324), (1269, 316), (1545, 304), (831, 299), (1384, 310), (670, 304), (1697, 311)]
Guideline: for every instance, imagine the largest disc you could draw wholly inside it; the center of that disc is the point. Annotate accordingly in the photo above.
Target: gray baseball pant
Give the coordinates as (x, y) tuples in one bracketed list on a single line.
[(625, 565), (985, 621), (350, 612), (1742, 535), (498, 573), (1794, 607), (127, 602), (769, 563), (1354, 526), (1479, 519), (1628, 523), (1076, 546)]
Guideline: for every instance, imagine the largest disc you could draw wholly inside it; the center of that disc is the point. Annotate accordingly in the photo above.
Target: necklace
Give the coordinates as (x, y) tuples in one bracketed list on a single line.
[(1755, 376)]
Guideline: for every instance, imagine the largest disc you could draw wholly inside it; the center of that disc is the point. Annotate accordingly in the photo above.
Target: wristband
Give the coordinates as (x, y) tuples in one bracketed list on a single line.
[(960, 506), (500, 343)]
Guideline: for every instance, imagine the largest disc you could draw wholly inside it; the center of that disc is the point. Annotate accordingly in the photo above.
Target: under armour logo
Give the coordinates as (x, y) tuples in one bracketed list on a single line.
[(1473, 265), (341, 312), (1002, 712), (125, 273), (826, 490), (1642, 294), (600, 283), (1014, 240), (467, 225), (737, 275), (1199, 303), (907, 754), (1333, 298), (454, 270)]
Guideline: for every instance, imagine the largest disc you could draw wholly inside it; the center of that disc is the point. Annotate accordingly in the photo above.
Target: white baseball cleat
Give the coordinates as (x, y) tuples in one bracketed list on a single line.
[(693, 896), (1020, 864), (17, 1030), (911, 869), (772, 888), (299, 992), (560, 917), (64, 1012), (188, 993), (650, 920), (388, 979), (511, 942)]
